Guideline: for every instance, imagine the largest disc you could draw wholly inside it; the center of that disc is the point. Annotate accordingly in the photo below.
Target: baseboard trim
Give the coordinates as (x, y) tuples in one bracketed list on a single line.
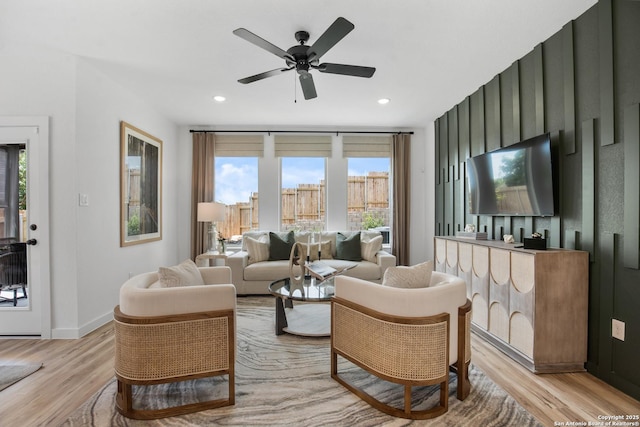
[(527, 362), (75, 333)]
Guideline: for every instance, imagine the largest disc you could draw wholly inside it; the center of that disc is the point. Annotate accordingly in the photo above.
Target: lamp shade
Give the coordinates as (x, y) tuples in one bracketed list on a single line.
[(210, 211)]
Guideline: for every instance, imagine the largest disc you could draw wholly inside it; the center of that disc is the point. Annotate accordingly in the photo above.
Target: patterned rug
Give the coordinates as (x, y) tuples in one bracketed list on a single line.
[(285, 381)]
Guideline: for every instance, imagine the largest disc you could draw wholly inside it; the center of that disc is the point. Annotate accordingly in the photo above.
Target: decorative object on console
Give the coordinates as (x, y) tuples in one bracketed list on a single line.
[(211, 212), (508, 238), (472, 235), (469, 228), (535, 242)]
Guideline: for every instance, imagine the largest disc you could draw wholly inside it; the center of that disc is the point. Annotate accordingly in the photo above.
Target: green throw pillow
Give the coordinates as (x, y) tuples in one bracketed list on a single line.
[(348, 248), (280, 245)]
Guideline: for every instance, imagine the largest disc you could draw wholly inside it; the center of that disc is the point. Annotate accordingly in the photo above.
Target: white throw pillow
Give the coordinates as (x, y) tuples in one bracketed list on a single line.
[(258, 249), (417, 276), (369, 249), (184, 274)]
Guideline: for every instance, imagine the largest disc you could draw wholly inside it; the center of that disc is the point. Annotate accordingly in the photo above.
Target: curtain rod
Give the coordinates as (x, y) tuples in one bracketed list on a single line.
[(269, 132)]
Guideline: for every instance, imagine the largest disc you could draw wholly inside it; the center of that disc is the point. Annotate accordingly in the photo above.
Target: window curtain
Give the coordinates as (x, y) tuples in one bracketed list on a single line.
[(401, 153), (202, 184)]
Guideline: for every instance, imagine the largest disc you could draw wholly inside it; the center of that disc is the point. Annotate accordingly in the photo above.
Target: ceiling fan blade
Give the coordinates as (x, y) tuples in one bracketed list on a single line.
[(336, 32), (348, 70), (264, 75), (260, 42), (308, 88)]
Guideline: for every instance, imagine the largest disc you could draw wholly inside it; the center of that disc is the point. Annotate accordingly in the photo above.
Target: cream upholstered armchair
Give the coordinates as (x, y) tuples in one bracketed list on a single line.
[(406, 336), (171, 334)]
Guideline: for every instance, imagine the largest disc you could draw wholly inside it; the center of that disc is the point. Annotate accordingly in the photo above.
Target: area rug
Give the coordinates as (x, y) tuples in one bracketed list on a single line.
[(285, 381), (11, 374)]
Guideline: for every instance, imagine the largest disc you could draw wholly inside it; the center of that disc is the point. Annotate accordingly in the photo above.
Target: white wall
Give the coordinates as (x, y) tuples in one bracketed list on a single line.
[(102, 264), (422, 195), (85, 107)]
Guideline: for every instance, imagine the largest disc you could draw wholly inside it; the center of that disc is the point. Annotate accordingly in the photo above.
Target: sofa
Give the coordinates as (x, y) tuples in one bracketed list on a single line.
[(264, 257)]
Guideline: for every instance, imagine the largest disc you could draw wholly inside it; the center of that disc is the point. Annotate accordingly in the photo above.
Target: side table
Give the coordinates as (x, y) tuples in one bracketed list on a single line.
[(209, 259)]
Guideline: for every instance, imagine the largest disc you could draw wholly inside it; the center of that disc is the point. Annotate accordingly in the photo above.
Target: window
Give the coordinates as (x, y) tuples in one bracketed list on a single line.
[(236, 183), (303, 193), (12, 191), (368, 194), (369, 190), (302, 172)]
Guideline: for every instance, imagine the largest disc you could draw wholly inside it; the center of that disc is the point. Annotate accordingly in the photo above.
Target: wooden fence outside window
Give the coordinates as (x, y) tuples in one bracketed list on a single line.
[(303, 207)]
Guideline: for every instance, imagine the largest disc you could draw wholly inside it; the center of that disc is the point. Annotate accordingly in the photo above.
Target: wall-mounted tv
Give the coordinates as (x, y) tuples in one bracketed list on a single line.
[(513, 181)]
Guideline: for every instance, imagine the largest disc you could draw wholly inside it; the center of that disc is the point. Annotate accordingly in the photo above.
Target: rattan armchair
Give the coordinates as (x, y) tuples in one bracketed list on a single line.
[(411, 337), (165, 335)]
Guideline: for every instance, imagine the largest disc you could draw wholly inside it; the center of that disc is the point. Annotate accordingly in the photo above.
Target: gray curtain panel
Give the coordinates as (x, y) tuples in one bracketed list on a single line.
[(401, 154), (202, 176)]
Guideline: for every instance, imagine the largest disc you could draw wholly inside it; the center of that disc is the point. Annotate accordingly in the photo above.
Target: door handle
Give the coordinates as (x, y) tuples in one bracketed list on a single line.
[(32, 242)]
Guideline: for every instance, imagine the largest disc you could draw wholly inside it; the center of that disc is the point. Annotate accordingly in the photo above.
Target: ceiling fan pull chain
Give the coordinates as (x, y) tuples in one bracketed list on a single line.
[(295, 90)]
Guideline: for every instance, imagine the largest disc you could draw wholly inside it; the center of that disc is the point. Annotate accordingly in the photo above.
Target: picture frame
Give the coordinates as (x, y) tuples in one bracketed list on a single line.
[(140, 186)]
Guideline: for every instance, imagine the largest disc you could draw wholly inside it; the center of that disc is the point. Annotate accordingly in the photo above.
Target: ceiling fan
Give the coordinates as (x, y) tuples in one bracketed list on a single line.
[(305, 58)]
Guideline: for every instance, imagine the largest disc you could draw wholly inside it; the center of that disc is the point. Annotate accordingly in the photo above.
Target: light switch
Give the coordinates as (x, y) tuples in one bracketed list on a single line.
[(83, 199)]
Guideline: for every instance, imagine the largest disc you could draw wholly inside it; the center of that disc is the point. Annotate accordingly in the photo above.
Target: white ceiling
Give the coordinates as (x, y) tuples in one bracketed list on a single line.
[(429, 54)]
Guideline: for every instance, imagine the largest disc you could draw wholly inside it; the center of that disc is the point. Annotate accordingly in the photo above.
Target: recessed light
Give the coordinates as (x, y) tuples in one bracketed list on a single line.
[(219, 98), (383, 101)]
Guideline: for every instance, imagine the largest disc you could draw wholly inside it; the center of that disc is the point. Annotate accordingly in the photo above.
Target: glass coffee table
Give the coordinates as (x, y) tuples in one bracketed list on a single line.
[(312, 318)]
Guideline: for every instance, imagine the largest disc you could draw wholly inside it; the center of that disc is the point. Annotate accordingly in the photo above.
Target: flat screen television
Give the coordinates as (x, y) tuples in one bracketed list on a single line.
[(513, 181)]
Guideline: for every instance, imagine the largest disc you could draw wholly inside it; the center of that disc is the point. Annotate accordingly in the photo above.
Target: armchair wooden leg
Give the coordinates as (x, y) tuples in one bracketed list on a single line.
[(124, 398), (407, 399), (464, 385)]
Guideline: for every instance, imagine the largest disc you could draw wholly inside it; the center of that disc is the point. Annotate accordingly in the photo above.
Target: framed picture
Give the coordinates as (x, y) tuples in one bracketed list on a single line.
[(140, 186)]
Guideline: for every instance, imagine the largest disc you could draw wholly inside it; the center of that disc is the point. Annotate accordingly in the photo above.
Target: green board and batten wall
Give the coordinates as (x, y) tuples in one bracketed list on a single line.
[(582, 85)]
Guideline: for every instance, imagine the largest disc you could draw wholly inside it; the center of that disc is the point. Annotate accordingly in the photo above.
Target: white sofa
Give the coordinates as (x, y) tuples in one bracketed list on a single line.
[(254, 278)]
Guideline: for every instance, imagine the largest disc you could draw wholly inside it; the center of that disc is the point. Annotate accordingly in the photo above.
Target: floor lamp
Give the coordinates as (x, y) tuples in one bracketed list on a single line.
[(211, 212)]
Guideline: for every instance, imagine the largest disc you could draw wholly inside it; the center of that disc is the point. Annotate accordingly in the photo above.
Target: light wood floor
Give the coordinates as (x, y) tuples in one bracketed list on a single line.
[(75, 369)]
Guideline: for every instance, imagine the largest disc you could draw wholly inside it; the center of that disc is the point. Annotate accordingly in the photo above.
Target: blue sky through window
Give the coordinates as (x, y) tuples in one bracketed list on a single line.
[(237, 177)]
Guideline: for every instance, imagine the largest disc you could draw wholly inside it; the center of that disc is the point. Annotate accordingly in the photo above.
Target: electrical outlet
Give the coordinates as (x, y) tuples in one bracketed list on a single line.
[(617, 329)]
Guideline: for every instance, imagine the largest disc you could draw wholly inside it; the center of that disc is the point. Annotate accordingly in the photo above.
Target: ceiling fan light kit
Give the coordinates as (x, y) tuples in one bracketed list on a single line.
[(304, 58)]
